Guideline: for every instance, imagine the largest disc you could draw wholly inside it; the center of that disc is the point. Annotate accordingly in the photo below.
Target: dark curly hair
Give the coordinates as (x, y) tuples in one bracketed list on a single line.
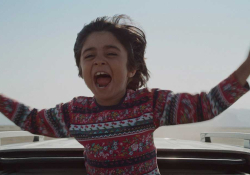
[(131, 37)]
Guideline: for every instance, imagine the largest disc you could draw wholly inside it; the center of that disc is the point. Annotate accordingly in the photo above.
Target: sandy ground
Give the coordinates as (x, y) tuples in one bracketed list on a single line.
[(190, 132), (12, 140), (185, 132)]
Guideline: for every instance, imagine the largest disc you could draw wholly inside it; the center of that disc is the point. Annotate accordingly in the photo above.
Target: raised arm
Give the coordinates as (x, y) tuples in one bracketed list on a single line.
[(172, 109), (53, 122), (243, 72)]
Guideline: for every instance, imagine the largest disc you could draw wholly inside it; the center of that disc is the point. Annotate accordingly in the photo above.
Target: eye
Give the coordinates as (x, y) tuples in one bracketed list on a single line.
[(112, 54), (88, 56)]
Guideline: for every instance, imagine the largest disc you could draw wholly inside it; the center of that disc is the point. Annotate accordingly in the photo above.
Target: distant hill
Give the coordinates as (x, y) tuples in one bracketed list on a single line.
[(5, 121), (229, 118), (238, 118)]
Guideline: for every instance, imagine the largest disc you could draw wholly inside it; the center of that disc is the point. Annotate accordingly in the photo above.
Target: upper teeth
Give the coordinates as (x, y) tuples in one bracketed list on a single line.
[(100, 73)]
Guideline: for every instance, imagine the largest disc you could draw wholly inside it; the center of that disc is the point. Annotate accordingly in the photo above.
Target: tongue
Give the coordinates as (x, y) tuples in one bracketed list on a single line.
[(103, 81)]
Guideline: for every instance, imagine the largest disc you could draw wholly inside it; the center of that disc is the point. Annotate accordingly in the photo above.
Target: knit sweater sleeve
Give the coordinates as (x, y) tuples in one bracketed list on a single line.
[(181, 108), (53, 122)]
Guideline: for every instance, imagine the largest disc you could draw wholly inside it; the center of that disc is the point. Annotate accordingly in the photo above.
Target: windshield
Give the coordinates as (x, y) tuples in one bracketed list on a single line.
[(192, 46)]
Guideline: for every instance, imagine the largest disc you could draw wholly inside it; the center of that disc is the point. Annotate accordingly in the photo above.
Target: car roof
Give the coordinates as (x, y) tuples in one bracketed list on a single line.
[(160, 143)]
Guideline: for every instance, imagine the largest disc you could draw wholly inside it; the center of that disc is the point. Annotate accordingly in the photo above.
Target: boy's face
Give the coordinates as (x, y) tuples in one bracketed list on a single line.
[(104, 67)]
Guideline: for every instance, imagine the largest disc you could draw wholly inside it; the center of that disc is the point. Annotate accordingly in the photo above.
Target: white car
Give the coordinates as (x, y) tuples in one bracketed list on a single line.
[(65, 156)]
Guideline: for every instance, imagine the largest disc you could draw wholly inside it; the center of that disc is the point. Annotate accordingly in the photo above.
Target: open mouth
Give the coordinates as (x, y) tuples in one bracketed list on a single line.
[(102, 79)]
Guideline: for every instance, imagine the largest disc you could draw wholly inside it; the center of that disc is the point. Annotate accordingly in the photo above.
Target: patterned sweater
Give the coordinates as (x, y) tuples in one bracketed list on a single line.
[(119, 139)]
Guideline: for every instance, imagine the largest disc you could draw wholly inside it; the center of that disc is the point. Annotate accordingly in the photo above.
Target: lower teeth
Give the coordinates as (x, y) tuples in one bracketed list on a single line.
[(100, 86)]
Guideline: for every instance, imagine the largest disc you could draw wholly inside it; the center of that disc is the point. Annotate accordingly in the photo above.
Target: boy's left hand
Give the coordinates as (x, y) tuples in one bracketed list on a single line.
[(243, 71), (248, 58)]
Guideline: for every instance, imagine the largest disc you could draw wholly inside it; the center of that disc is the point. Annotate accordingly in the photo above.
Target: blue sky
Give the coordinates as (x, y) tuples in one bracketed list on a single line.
[(192, 45)]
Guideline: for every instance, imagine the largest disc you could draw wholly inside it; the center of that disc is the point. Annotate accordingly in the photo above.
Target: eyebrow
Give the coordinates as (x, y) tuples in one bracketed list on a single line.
[(88, 49), (112, 47), (106, 47)]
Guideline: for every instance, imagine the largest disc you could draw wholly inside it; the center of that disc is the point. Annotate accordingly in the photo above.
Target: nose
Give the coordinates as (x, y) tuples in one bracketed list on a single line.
[(99, 62)]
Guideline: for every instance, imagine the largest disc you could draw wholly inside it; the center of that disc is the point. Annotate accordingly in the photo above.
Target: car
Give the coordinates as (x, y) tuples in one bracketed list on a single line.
[(65, 156)]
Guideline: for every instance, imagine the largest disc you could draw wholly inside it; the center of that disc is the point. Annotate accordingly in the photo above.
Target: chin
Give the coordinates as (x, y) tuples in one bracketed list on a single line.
[(103, 96)]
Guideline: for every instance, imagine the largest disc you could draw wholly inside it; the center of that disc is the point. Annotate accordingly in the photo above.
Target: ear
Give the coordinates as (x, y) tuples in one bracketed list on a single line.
[(131, 73)]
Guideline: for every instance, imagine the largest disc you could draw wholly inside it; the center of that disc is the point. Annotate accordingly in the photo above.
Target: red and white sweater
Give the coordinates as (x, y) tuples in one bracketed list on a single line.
[(119, 139)]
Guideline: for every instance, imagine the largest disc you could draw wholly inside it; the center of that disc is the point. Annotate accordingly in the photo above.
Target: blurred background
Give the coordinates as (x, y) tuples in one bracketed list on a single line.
[(192, 46)]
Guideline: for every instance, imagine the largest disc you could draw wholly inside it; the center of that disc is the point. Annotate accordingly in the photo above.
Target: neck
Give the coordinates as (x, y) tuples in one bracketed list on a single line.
[(111, 101)]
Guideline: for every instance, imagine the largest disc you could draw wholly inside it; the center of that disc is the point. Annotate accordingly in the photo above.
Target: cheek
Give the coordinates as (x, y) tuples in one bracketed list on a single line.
[(85, 71), (82, 69), (123, 76)]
